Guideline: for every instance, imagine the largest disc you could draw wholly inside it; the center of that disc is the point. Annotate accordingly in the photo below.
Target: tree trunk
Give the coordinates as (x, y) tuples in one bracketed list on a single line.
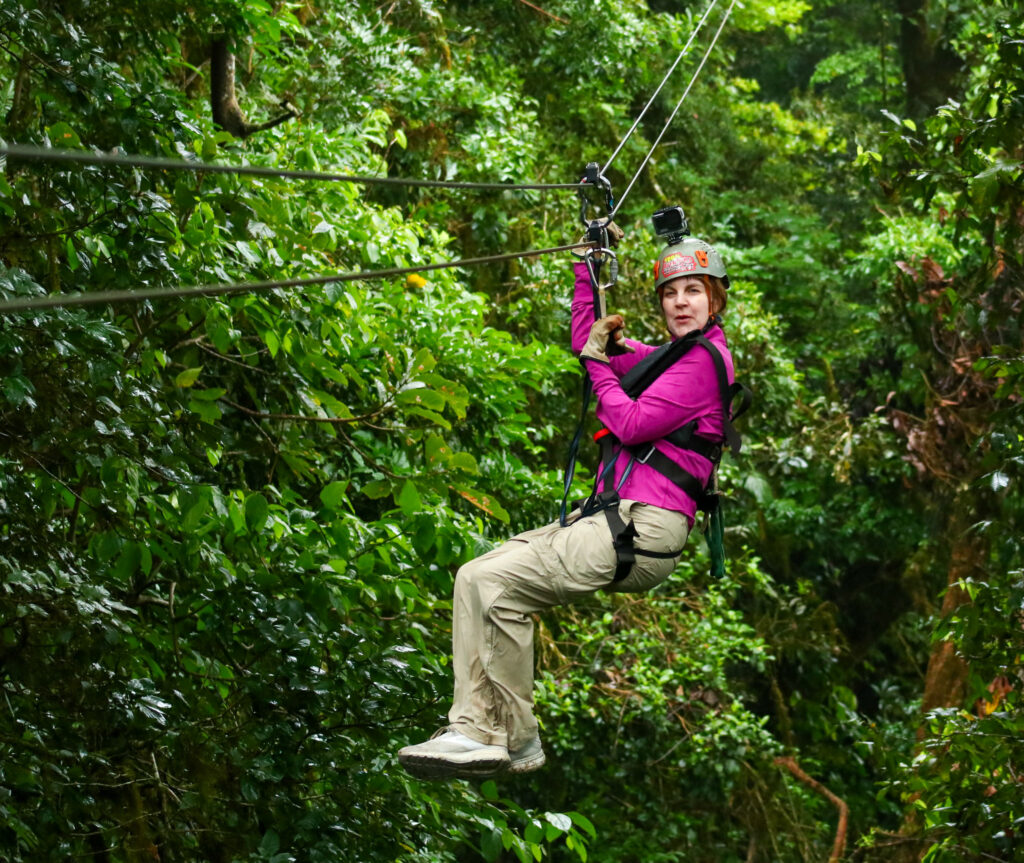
[(945, 683), (929, 65), (227, 113)]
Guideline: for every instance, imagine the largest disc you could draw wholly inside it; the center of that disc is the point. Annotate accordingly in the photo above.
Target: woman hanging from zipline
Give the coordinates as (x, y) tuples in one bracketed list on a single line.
[(663, 441)]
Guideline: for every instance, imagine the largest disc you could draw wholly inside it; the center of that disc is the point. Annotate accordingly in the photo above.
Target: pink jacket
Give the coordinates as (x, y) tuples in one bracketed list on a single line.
[(687, 390)]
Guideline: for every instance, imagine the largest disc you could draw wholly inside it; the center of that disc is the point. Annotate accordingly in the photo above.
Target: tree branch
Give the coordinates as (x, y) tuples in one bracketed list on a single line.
[(304, 418), (543, 11), (227, 113), (839, 846)]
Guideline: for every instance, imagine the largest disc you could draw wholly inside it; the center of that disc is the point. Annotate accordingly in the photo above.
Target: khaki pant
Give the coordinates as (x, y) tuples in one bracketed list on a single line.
[(492, 631)]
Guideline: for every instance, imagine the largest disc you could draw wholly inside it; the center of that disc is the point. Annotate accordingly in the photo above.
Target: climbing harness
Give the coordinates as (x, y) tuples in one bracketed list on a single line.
[(670, 223)]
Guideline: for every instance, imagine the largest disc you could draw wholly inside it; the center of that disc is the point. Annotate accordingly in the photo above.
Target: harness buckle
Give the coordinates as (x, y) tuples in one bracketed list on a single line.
[(646, 455)]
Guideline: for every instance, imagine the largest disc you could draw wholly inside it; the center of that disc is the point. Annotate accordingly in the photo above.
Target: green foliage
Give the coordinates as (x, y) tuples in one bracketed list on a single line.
[(229, 526)]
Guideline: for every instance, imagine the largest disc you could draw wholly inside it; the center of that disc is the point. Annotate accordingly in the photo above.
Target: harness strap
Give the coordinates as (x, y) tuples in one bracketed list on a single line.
[(686, 437), (574, 448), (623, 534), (727, 394), (655, 458)]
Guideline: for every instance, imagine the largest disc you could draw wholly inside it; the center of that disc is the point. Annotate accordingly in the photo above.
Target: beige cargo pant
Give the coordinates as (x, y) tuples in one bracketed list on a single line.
[(495, 594)]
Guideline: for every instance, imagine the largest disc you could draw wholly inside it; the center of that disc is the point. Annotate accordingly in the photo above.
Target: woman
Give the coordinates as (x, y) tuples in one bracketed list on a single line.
[(491, 723)]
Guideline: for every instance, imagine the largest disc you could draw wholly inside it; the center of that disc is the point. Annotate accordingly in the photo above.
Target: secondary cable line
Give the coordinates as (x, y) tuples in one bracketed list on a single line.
[(675, 111), (60, 301), (24, 152), (668, 74)]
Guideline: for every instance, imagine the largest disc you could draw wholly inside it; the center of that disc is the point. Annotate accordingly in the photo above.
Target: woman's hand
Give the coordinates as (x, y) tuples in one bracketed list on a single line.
[(606, 331), (614, 234)]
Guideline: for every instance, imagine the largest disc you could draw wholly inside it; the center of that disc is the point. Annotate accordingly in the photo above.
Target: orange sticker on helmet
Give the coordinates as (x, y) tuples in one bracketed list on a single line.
[(656, 264), (702, 257), (676, 263)]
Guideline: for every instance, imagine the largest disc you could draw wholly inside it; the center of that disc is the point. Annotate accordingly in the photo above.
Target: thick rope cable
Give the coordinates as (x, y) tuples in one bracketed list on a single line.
[(22, 152), (60, 301), (668, 74), (679, 104)]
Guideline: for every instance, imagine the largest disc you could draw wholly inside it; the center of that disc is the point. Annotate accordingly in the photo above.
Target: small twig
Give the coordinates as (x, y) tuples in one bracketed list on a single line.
[(227, 359), (543, 11), (839, 846), (303, 418), (365, 455)]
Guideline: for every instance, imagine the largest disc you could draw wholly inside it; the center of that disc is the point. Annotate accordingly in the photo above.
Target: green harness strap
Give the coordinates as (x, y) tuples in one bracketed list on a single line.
[(716, 548)]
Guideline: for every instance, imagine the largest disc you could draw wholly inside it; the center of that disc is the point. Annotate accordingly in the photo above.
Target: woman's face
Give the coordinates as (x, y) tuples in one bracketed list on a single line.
[(686, 305)]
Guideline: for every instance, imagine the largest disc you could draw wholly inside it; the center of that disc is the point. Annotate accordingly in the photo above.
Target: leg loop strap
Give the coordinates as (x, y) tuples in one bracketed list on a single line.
[(623, 535)]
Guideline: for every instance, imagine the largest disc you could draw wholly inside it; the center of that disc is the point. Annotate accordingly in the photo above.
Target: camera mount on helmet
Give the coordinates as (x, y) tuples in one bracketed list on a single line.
[(672, 224)]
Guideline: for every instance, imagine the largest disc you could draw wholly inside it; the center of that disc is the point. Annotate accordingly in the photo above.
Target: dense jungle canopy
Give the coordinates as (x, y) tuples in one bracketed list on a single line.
[(229, 525)]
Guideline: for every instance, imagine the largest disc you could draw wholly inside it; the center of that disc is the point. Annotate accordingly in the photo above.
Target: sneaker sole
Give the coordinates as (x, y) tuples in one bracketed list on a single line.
[(528, 765), (433, 768)]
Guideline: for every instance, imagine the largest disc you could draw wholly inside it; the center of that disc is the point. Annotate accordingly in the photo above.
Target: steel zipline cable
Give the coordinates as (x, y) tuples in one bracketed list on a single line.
[(672, 116), (58, 301), (664, 80), (23, 152), (53, 301)]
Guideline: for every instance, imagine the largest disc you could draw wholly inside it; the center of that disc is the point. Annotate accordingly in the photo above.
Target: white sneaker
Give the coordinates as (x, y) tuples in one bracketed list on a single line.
[(527, 758), (451, 754)]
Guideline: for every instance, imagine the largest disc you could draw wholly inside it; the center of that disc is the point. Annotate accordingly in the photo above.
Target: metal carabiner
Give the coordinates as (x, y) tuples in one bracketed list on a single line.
[(600, 288), (598, 256), (593, 178)]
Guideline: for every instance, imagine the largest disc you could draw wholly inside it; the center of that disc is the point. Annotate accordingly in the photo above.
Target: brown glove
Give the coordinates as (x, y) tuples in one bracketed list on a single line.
[(615, 233), (607, 330)]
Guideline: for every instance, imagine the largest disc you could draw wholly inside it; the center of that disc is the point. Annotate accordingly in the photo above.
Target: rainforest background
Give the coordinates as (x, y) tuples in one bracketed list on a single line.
[(229, 526)]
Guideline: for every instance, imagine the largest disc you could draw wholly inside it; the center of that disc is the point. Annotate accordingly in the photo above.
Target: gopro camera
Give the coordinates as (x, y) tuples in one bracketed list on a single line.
[(671, 223)]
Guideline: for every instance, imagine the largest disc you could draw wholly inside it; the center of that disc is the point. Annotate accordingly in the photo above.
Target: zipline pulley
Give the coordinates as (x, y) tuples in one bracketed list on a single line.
[(597, 228), (595, 258)]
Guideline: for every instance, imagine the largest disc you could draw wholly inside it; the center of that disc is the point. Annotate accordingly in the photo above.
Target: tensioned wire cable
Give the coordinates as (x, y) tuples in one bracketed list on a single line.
[(668, 74), (23, 152), (679, 104), (131, 296), (57, 301)]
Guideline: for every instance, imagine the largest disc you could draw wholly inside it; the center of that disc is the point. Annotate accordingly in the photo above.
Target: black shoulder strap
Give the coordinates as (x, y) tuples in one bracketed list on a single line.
[(651, 367), (647, 371), (727, 393)]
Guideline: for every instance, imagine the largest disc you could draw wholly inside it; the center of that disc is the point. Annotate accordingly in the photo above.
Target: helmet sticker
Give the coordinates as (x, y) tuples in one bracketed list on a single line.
[(656, 263), (676, 263), (702, 257)]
